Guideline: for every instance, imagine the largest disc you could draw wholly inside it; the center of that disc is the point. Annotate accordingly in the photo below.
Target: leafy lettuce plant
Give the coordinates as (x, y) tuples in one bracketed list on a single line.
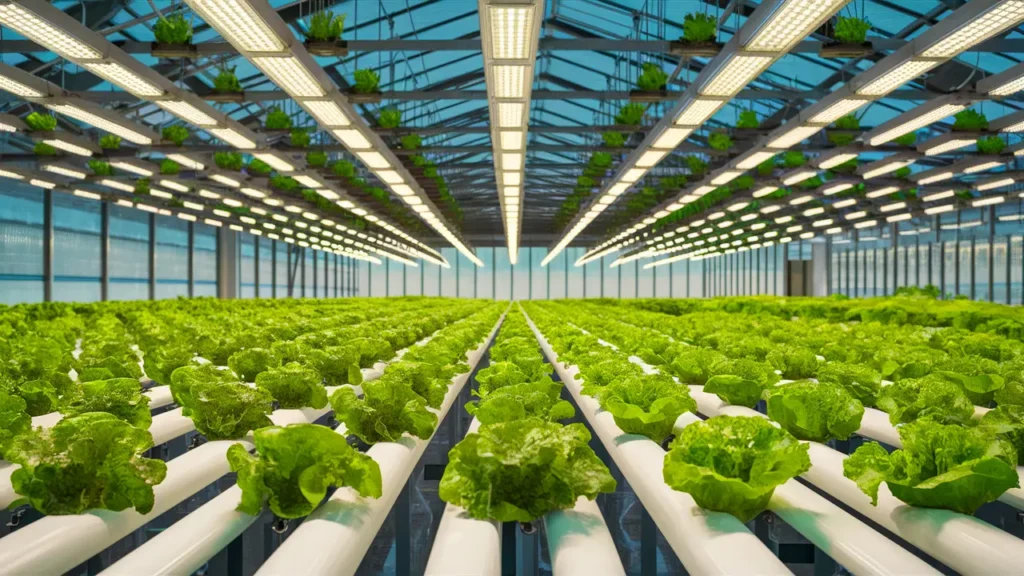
[(603, 372), (183, 378), (295, 465), (294, 386), (226, 410), (647, 404), (794, 362), (251, 362), (931, 397), (422, 377), (692, 365), (940, 466), (120, 397), (14, 419), (541, 399), (499, 375), (1008, 422), (163, 361), (388, 409), (740, 382), (862, 381), (733, 463), (337, 364), (85, 462), (815, 411), (519, 471), (978, 377)]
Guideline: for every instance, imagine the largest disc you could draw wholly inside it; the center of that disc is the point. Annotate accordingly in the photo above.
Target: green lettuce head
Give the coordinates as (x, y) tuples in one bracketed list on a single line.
[(794, 362), (978, 377), (519, 471), (293, 386), (295, 465), (541, 399), (931, 397), (815, 411), (648, 404), (387, 410), (939, 466), (733, 463), (740, 382), (861, 381)]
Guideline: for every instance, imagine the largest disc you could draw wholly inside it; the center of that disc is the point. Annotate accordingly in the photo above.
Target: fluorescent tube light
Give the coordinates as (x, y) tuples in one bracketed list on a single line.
[(511, 140), (761, 193), (799, 176), (101, 123), (174, 186), (289, 74), (124, 78), (988, 201), (936, 178), (65, 171), (225, 180), (42, 32), (947, 146), (209, 194), (275, 162), (42, 183), (117, 185), (187, 112), (865, 224), (510, 31), (740, 70), (836, 160), (186, 161), (887, 167), (726, 177), (326, 112), (917, 122), (157, 193), (898, 218), (856, 215), (794, 137), (697, 111), (1002, 16), (791, 23), (233, 138), (844, 203), (68, 147), (19, 89), (756, 159), (896, 77), (939, 209), (999, 183), (86, 194), (838, 110), (671, 138), (982, 167), (240, 25), (650, 158), (893, 206), (509, 81)]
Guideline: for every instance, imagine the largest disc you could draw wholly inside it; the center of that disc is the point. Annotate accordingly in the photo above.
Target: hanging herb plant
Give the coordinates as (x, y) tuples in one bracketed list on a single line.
[(142, 186), (748, 120), (110, 142), (902, 173), (411, 142), (367, 82), (176, 134), (258, 167), (652, 78), (390, 118), (316, 158), (37, 122), (851, 30), (300, 138), (848, 167), (600, 160), (793, 159), (228, 161), (44, 149), (846, 123), (697, 166), (908, 139), (990, 145), (169, 167), (324, 26), (719, 141), (631, 114), (100, 168), (613, 139), (227, 82), (970, 121), (174, 29), (344, 168), (766, 168), (286, 183), (699, 28), (277, 119)]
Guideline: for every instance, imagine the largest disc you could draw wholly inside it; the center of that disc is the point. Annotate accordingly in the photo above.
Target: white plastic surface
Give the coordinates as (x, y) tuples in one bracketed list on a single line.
[(464, 545), (705, 542), (159, 396), (580, 543), (335, 537)]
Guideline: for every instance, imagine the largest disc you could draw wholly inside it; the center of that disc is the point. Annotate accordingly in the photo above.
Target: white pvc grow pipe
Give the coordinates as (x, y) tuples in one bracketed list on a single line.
[(579, 542), (335, 537), (706, 542), (464, 545)]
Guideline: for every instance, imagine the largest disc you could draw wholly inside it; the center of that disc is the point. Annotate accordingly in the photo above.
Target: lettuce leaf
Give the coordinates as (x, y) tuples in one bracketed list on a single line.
[(740, 382), (1008, 422), (85, 462), (794, 362), (14, 420), (227, 410), (604, 372), (648, 404), (121, 397), (295, 465), (931, 397), (862, 381), (387, 410), (939, 466), (733, 463), (978, 377), (293, 386), (498, 375), (692, 365), (815, 411), (337, 364), (422, 377), (164, 360), (519, 471), (183, 378), (250, 362), (539, 399)]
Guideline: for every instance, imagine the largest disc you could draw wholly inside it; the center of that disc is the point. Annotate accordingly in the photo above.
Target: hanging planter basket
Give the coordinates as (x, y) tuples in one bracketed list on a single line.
[(225, 97), (649, 95), (680, 48), (837, 49), (327, 47), (164, 50)]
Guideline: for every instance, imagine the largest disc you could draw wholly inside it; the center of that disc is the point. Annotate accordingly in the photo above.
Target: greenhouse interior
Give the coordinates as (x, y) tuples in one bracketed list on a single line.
[(583, 287)]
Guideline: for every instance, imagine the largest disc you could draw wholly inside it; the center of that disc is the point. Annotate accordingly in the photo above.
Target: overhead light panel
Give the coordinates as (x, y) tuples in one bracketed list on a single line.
[(187, 112), (838, 110), (101, 123), (509, 81), (913, 123), (233, 138), (291, 76), (740, 70), (896, 77), (794, 137), (1002, 16), (124, 78), (326, 113), (791, 23), (42, 32), (239, 23), (697, 111)]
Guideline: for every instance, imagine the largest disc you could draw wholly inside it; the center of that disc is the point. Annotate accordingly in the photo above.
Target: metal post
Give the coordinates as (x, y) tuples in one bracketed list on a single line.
[(256, 266), (315, 279), (974, 270), (191, 259), (288, 269), (671, 279), (152, 256), (1009, 278), (302, 254), (894, 233), (47, 245), (992, 253), (584, 280), (529, 274), (273, 268), (457, 282), (105, 252), (956, 259)]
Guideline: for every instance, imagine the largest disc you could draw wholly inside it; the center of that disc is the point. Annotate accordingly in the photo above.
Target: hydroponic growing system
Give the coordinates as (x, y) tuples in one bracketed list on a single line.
[(511, 287)]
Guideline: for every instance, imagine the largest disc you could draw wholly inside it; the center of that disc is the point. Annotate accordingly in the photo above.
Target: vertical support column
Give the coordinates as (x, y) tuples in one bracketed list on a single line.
[(256, 266), (273, 268), (917, 260), (105, 252), (992, 254), (288, 271), (974, 270), (48, 245), (227, 263), (1009, 260), (457, 282), (819, 269), (152, 256), (191, 259), (671, 279), (302, 268), (315, 279), (529, 274), (327, 274), (894, 232), (956, 256)]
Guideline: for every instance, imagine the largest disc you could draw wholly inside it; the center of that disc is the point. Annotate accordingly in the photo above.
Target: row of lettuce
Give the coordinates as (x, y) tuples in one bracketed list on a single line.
[(521, 463), (733, 464), (277, 355)]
